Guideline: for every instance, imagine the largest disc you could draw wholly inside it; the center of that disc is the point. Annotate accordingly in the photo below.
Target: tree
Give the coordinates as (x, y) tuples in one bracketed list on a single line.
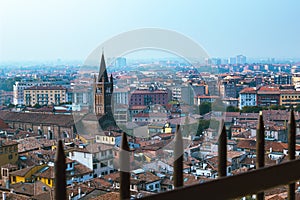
[(37, 105), (202, 125), (218, 105), (205, 124), (277, 107), (297, 107), (251, 109), (232, 109), (204, 108)]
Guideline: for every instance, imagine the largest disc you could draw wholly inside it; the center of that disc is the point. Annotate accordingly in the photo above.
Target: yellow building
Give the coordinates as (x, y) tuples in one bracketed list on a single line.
[(156, 128), (108, 137), (8, 152), (289, 97), (86, 139), (46, 175), (24, 175), (44, 95)]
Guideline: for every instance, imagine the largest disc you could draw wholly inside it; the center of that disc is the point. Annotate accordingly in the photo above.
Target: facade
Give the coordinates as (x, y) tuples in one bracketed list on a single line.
[(48, 125), (187, 94), (150, 97), (247, 97), (109, 137), (282, 79), (267, 96), (121, 115), (240, 59), (97, 157), (8, 152), (6, 97), (103, 89), (120, 62), (44, 95), (201, 99), (228, 89), (18, 89), (176, 93), (24, 175), (289, 97), (121, 95), (81, 97), (146, 118)]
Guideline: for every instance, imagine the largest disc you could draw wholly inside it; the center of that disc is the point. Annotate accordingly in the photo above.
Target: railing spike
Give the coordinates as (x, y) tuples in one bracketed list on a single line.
[(222, 151), (260, 149), (124, 169), (292, 150), (60, 173), (178, 158)]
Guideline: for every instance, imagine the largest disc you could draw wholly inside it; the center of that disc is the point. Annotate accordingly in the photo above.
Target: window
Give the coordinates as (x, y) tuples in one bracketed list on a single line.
[(10, 156), (14, 179), (49, 181), (4, 172)]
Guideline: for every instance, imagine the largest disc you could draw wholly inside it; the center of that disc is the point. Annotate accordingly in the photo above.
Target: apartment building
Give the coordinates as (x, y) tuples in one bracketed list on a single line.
[(20, 86), (44, 95)]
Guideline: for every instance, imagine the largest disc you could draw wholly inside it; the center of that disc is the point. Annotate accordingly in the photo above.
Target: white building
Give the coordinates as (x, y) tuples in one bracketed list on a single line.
[(18, 89), (176, 93), (97, 157), (120, 96), (247, 97)]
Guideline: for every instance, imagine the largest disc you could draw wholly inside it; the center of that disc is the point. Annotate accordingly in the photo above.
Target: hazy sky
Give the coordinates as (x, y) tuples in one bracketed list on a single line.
[(50, 29)]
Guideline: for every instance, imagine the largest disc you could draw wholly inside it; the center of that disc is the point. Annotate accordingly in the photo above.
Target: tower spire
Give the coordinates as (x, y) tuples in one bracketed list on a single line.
[(102, 71)]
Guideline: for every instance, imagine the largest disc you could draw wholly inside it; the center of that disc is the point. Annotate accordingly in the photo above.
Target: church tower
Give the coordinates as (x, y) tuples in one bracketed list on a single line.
[(103, 89)]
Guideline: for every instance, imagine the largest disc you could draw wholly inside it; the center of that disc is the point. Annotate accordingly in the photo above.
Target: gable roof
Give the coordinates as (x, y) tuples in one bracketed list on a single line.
[(37, 118)]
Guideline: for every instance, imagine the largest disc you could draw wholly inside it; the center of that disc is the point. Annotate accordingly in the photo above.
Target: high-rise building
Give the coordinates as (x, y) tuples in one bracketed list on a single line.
[(232, 60), (120, 62), (240, 59)]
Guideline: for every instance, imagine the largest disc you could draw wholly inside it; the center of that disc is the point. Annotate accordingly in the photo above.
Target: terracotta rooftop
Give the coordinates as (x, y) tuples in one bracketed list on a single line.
[(80, 169), (4, 142), (108, 196), (268, 90), (37, 118), (135, 92), (30, 188), (46, 88), (248, 90), (22, 172), (46, 172), (137, 107)]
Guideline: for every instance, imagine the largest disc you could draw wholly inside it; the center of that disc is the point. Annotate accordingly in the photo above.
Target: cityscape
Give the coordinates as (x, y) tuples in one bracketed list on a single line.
[(89, 110), (115, 100)]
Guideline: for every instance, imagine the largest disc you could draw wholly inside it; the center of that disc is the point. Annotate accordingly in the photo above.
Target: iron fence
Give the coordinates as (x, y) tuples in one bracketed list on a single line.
[(224, 187)]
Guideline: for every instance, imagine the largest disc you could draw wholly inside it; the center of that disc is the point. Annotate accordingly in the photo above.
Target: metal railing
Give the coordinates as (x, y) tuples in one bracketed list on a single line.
[(224, 187)]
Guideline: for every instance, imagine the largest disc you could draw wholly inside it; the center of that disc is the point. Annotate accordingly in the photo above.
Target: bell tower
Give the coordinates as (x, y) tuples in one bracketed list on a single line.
[(103, 89)]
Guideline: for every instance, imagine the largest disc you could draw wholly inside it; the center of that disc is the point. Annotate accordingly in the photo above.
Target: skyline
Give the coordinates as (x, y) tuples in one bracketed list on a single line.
[(52, 30)]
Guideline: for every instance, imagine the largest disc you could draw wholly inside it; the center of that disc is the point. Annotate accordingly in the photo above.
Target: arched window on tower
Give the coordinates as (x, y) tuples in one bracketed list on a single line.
[(99, 90)]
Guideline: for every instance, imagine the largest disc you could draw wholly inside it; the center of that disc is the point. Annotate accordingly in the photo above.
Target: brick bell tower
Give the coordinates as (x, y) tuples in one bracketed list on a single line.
[(103, 89)]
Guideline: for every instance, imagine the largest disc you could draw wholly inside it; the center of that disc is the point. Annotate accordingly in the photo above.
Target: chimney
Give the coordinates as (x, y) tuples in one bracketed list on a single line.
[(3, 195), (79, 192), (7, 184)]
